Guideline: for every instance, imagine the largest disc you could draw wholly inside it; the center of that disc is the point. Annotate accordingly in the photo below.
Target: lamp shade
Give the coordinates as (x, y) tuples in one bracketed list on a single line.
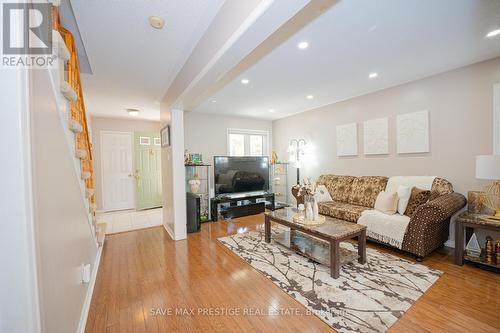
[(488, 167)]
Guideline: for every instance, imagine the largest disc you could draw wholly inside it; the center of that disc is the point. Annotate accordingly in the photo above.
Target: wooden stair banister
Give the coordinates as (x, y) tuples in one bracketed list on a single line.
[(77, 108)]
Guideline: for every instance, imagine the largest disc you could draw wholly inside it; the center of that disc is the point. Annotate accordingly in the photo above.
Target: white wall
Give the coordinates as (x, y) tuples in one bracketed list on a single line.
[(173, 176), (46, 234), (63, 231), (460, 103), (207, 133), (496, 118), (19, 303)]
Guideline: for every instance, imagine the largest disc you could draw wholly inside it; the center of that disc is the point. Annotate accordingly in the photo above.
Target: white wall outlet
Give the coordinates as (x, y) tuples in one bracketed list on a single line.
[(86, 273)]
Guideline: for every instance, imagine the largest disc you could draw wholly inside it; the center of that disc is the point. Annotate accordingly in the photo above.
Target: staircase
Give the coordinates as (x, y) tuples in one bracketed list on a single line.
[(71, 89)]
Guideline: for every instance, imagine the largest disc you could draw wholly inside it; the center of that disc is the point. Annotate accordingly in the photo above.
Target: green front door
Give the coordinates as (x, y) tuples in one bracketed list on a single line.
[(147, 170)]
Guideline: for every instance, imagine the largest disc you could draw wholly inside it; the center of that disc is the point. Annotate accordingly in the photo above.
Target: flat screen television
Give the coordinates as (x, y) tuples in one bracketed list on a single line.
[(235, 174)]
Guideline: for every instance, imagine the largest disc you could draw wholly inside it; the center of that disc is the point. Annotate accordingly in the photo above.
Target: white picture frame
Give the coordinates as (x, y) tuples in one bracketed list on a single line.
[(376, 136), (347, 140), (144, 141), (412, 132)]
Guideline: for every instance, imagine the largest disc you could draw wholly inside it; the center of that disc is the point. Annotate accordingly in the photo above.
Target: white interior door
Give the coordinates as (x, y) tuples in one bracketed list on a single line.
[(117, 170)]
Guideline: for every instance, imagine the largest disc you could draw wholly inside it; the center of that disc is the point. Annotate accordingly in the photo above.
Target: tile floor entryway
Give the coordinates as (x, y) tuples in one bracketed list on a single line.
[(127, 220)]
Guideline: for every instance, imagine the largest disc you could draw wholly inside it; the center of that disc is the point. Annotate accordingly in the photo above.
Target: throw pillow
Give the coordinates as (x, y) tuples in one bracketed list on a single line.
[(404, 194), (322, 194), (387, 202), (418, 197)]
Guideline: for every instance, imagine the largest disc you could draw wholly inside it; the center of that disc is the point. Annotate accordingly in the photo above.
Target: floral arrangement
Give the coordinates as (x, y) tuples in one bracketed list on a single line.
[(305, 187)]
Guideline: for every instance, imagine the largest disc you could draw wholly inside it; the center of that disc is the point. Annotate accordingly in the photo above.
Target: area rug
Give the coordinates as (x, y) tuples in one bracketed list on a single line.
[(366, 298)]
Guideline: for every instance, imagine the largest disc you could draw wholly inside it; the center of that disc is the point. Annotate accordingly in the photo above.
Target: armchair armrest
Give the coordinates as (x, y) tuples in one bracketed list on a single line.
[(429, 226)]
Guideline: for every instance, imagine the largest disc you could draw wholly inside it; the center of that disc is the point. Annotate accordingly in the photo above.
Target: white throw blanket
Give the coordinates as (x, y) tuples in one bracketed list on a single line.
[(423, 182), (389, 229)]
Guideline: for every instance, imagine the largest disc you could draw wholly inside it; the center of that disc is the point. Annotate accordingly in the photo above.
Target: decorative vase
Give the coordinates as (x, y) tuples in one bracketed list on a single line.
[(475, 204), (194, 184), (309, 202), (315, 209)]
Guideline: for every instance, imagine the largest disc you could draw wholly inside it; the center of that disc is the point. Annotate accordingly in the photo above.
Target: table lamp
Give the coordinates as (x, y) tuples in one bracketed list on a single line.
[(488, 167)]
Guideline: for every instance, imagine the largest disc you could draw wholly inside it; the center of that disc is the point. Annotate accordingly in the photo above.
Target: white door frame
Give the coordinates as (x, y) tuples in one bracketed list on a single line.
[(104, 208)]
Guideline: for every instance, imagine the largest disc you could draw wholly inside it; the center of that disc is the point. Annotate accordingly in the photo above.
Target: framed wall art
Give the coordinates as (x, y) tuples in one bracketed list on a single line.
[(165, 136)]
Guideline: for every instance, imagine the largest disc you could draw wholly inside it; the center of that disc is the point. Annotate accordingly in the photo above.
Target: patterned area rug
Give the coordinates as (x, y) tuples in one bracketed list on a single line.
[(366, 298)]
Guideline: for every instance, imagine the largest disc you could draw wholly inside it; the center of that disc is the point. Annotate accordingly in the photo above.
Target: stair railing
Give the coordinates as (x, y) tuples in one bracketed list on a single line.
[(83, 146)]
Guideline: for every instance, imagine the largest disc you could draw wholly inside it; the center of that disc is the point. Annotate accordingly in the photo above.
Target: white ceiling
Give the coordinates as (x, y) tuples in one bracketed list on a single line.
[(132, 63), (400, 40)]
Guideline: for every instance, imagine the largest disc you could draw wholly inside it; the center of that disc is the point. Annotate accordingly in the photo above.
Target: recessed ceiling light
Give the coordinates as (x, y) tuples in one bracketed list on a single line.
[(157, 22), (133, 112), (303, 45), (493, 33), (271, 110), (309, 96), (245, 81), (373, 75)]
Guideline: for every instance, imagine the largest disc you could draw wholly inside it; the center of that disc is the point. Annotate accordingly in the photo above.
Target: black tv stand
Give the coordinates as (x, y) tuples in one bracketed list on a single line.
[(241, 204)]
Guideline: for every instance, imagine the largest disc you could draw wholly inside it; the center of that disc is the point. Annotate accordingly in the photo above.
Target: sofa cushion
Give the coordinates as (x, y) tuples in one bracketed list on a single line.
[(364, 190), (418, 197), (341, 210), (338, 186), (404, 194), (387, 203), (322, 194), (440, 187)]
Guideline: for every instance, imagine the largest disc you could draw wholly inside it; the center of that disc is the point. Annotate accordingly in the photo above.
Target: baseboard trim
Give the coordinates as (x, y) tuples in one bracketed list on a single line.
[(450, 243), (169, 232), (90, 292)]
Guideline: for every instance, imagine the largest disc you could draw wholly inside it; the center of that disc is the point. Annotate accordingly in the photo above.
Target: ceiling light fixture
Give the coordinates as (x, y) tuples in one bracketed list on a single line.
[(271, 110), (245, 81), (133, 112), (157, 22), (373, 75), (493, 33), (303, 45), (309, 96)]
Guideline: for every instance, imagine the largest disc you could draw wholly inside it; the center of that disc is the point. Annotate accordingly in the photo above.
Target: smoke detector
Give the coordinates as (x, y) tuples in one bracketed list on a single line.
[(157, 22)]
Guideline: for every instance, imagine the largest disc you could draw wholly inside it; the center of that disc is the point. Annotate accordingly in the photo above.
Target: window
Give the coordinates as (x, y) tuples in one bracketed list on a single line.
[(247, 142), (236, 144)]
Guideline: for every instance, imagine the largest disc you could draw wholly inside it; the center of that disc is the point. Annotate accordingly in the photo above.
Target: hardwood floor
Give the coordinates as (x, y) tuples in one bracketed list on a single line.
[(144, 275)]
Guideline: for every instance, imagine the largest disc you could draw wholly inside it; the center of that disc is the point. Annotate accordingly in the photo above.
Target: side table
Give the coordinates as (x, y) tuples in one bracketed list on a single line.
[(477, 221)]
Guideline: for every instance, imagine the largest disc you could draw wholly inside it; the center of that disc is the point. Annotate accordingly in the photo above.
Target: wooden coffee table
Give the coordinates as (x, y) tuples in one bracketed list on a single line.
[(333, 231)]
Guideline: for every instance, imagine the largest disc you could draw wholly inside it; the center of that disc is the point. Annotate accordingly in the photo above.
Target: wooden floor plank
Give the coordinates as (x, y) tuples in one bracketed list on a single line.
[(144, 271)]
